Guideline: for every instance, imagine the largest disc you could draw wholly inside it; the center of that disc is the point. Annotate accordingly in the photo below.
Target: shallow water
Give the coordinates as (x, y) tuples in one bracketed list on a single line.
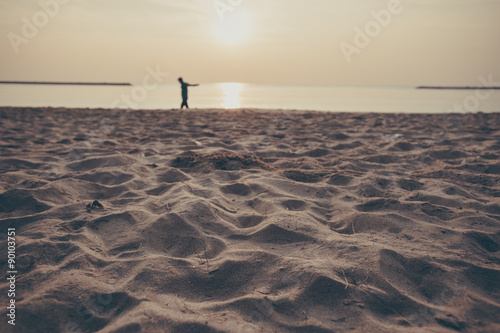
[(238, 95)]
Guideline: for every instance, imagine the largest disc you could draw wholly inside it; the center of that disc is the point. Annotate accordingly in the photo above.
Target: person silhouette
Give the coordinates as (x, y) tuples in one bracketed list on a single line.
[(184, 87)]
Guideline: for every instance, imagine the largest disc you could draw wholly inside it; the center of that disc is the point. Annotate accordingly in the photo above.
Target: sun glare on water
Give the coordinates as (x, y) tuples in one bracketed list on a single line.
[(234, 29), (231, 94)]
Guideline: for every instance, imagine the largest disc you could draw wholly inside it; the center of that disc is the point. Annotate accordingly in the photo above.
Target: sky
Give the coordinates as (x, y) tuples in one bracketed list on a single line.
[(282, 42)]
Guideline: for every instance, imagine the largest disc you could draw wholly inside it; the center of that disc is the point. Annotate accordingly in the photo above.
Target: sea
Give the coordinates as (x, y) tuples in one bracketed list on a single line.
[(232, 95)]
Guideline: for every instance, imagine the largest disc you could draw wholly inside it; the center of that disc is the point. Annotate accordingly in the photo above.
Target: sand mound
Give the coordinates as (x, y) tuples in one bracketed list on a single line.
[(220, 161), (20, 202), (251, 221)]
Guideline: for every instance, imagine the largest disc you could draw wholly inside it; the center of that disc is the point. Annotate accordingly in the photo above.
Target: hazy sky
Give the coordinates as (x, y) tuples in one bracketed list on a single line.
[(449, 42)]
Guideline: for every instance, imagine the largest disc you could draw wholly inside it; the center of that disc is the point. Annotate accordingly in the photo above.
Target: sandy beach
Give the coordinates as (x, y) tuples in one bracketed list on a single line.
[(250, 221)]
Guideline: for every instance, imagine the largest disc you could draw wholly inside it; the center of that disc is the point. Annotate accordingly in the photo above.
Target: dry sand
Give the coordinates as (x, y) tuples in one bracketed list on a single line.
[(251, 221)]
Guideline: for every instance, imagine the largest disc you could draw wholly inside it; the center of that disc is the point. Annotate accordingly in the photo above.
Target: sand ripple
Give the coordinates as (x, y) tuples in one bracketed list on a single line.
[(252, 221)]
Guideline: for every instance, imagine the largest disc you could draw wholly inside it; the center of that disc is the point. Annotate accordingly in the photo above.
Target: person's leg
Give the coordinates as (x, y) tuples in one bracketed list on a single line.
[(184, 102)]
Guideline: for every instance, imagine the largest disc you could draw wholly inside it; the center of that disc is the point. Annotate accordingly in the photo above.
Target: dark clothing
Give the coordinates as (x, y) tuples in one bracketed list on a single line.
[(184, 87), (184, 102)]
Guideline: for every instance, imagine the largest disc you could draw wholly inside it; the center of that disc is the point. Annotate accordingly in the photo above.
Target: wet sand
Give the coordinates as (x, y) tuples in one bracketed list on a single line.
[(251, 221)]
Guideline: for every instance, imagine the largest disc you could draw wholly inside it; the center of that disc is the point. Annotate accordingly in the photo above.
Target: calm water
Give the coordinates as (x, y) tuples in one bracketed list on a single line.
[(236, 95)]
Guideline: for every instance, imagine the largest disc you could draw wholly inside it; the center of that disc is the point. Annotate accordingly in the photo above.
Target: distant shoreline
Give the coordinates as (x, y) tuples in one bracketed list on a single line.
[(459, 88), (69, 83)]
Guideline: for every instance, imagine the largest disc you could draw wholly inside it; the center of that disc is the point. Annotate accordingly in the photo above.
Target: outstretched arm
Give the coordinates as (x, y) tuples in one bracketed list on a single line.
[(193, 85)]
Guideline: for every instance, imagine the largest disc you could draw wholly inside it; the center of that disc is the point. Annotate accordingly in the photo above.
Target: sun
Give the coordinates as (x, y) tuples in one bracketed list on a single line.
[(234, 29)]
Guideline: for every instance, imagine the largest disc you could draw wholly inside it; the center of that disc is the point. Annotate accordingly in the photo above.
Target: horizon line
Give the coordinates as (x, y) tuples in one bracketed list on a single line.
[(68, 83)]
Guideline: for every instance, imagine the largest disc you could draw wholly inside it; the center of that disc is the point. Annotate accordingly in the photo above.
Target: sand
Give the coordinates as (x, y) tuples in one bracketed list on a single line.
[(250, 221)]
